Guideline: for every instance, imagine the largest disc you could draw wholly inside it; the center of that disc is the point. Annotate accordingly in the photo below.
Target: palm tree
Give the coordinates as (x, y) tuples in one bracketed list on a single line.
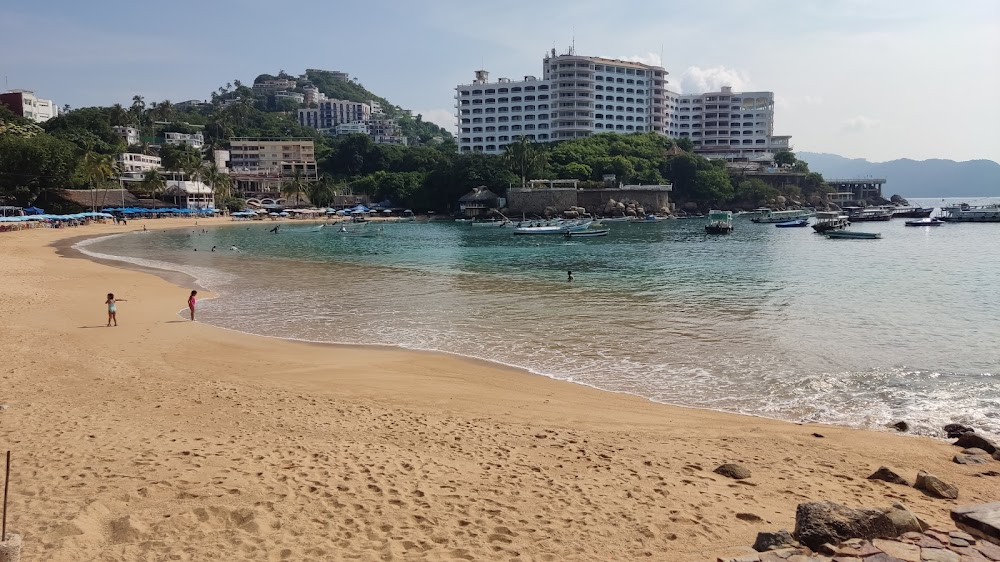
[(220, 182), (294, 186), (193, 167), (153, 183), (524, 158), (97, 169), (118, 115), (137, 110), (322, 192), (166, 110)]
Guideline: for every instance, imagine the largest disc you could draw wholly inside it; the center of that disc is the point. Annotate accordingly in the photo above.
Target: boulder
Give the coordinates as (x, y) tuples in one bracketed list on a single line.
[(978, 441), (817, 523), (888, 475), (903, 519), (769, 541), (935, 486), (734, 471), (900, 426), (971, 459), (974, 451), (956, 430)]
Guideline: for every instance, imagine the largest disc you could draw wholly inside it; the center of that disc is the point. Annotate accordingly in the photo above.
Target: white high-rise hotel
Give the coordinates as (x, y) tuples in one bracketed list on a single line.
[(578, 96)]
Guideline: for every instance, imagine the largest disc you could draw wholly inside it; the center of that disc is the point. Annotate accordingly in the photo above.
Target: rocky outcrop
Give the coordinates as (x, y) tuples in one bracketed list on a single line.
[(734, 471), (903, 519), (978, 441), (900, 426), (888, 475), (818, 523), (935, 486), (954, 430), (770, 541)]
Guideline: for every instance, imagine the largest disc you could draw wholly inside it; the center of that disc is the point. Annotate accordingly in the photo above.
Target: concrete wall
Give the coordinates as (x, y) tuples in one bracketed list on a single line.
[(534, 201)]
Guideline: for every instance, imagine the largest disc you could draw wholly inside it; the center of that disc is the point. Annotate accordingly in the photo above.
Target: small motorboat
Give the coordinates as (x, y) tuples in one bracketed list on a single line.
[(925, 222), (646, 219), (851, 235), (586, 233), (797, 223), (719, 222)]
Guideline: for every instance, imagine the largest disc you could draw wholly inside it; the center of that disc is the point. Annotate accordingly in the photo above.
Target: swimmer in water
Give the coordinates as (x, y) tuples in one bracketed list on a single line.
[(235, 249)]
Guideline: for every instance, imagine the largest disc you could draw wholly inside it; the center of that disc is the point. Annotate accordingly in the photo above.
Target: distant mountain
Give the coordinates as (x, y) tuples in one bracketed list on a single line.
[(914, 178)]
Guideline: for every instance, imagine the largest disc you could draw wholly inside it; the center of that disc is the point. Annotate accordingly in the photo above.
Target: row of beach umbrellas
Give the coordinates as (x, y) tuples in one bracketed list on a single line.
[(75, 216), (174, 211)]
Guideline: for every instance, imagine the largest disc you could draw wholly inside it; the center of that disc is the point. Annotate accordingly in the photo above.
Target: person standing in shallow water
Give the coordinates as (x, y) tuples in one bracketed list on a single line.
[(569, 276), (191, 303)]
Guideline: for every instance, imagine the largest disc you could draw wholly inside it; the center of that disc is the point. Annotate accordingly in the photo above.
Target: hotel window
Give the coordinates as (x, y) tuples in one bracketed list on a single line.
[(477, 92), (502, 128)]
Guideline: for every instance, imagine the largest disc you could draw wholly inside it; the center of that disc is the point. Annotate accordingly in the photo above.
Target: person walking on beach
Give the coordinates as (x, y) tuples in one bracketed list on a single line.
[(191, 302), (113, 308)]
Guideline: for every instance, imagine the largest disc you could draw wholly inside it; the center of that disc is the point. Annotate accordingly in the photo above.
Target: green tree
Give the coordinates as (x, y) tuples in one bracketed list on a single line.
[(322, 192), (785, 158), (153, 183), (524, 158), (754, 192), (32, 167), (712, 186), (295, 186), (577, 171)]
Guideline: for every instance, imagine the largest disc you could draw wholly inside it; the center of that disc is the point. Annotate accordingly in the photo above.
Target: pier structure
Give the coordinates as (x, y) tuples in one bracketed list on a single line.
[(861, 188)]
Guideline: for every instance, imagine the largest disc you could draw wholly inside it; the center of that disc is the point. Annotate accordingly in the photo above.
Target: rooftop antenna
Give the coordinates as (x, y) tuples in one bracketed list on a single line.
[(572, 45)]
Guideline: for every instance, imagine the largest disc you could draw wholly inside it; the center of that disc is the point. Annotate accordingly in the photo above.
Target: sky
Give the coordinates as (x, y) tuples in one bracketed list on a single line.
[(876, 79)]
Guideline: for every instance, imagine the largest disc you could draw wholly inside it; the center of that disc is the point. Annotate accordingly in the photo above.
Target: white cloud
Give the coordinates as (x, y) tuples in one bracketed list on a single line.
[(696, 80), (860, 124), (813, 100), (441, 117)]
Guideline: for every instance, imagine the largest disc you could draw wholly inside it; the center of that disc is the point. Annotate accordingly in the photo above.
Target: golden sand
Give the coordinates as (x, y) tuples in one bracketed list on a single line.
[(164, 439)]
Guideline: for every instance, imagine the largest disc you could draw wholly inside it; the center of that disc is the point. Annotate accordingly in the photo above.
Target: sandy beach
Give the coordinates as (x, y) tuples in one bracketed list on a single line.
[(164, 439)]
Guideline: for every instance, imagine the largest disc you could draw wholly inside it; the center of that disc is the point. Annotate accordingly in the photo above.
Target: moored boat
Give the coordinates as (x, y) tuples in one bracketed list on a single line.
[(912, 212), (827, 221), (719, 222), (589, 233), (970, 213), (925, 222), (558, 227), (852, 235), (616, 219), (646, 219), (494, 223), (870, 214), (768, 216), (797, 223)]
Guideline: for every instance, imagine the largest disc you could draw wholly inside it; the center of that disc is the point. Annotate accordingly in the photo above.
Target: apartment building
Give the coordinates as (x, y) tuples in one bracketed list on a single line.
[(194, 140), (262, 165), (134, 162), (128, 134), (576, 96), (735, 126), (271, 86), (26, 104), (330, 113)]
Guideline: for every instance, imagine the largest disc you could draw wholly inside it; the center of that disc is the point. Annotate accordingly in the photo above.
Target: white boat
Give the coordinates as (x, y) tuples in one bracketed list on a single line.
[(925, 222), (870, 214), (559, 227), (827, 221), (616, 219), (768, 216), (970, 213), (646, 219), (492, 223), (463, 221)]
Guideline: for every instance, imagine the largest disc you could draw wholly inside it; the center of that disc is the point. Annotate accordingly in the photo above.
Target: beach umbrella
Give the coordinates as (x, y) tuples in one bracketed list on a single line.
[(33, 211)]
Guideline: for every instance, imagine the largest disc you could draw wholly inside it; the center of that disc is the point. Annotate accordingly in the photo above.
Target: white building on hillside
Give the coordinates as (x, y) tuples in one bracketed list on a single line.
[(578, 96), (128, 134), (294, 96), (133, 162), (194, 140), (735, 126), (330, 113), (26, 104)]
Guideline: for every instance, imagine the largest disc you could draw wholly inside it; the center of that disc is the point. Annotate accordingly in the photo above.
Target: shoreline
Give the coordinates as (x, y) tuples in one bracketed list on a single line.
[(130, 442), (183, 280)]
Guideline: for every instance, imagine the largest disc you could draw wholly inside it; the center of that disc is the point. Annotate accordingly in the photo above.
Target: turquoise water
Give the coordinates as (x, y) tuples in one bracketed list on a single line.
[(775, 322)]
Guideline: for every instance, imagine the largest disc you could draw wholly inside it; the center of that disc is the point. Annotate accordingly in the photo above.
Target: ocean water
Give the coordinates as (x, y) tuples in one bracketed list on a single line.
[(780, 323)]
